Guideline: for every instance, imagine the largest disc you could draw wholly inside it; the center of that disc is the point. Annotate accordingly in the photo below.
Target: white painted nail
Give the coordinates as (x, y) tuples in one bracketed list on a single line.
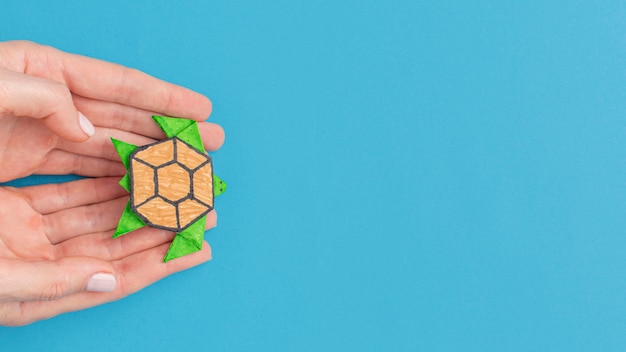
[(101, 283), (86, 125)]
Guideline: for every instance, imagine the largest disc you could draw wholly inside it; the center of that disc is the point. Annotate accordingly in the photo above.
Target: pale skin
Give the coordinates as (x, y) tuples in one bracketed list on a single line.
[(55, 238)]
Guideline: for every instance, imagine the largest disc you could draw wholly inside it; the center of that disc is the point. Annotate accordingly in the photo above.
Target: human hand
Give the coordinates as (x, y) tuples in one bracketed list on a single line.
[(50, 87), (55, 238)]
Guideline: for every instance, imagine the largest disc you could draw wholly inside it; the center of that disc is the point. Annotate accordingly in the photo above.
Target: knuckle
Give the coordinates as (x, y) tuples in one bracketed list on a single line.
[(77, 164), (61, 92), (54, 290), (57, 97), (13, 314)]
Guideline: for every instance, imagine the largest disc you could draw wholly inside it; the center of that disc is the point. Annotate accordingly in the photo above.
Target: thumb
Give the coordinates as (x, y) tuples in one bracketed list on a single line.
[(29, 96), (51, 280)]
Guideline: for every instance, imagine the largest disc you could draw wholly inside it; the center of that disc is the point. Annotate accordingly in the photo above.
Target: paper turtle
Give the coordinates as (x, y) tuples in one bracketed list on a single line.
[(171, 185)]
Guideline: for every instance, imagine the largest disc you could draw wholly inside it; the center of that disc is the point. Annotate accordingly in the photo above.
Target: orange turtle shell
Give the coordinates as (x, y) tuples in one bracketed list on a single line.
[(171, 184)]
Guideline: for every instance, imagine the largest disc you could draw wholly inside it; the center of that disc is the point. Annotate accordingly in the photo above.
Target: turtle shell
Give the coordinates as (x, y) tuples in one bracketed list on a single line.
[(171, 184)]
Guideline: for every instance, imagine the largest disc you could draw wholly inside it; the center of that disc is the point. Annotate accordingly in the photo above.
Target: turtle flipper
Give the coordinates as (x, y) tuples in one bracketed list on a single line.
[(183, 129), (188, 241), (128, 222), (125, 182), (172, 126), (124, 150)]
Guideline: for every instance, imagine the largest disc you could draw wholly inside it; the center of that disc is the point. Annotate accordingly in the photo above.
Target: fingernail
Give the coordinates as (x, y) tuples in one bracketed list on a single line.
[(86, 125), (101, 283)]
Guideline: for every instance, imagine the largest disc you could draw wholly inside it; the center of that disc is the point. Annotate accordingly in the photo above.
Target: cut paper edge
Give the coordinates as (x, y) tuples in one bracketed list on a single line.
[(188, 241), (124, 150), (128, 222), (125, 182), (180, 247), (172, 126), (191, 135)]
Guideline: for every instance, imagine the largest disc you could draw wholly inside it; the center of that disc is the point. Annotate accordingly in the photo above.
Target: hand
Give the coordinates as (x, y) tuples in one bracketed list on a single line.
[(56, 250), (55, 238), (42, 91)]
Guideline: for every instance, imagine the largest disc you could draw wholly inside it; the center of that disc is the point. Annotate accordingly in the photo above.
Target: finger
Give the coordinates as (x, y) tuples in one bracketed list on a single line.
[(133, 274), (119, 117), (212, 135), (142, 269), (69, 223), (51, 198), (59, 162), (106, 81), (126, 118), (27, 96), (49, 280), (102, 245), (100, 145)]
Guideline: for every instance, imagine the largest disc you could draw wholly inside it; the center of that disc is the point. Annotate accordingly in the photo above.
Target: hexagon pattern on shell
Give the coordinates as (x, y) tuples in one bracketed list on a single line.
[(171, 184)]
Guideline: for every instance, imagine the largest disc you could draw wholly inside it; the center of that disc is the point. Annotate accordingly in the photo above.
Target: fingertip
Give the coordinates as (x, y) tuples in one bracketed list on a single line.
[(218, 138), (86, 125), (65, 120), (207, 251), (101, 282), (211, 220), (194, 106), (213, 135), (208, 107)]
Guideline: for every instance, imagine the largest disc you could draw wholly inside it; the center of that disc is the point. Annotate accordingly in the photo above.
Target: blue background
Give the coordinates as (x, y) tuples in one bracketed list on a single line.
[(403, 175)]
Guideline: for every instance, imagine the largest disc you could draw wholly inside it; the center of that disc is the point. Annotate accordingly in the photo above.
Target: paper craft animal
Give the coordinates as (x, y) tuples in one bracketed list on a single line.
[(171, 185)]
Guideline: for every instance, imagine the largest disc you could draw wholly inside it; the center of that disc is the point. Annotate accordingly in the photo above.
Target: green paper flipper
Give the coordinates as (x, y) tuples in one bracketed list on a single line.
[(125, 182), (188, 241), (128, 222), (172, 126), (191, 135), (124, 150)]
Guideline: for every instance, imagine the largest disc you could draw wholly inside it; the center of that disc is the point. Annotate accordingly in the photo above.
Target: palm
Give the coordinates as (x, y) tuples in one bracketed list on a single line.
[(24, 144), (19, 241), (75, 221)]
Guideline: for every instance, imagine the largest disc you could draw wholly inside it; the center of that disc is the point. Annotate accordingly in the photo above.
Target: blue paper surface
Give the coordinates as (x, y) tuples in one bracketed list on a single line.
[(403, 175)]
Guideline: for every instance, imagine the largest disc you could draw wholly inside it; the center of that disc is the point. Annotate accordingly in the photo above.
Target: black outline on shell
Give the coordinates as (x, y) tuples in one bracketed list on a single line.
[(156, 182)]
